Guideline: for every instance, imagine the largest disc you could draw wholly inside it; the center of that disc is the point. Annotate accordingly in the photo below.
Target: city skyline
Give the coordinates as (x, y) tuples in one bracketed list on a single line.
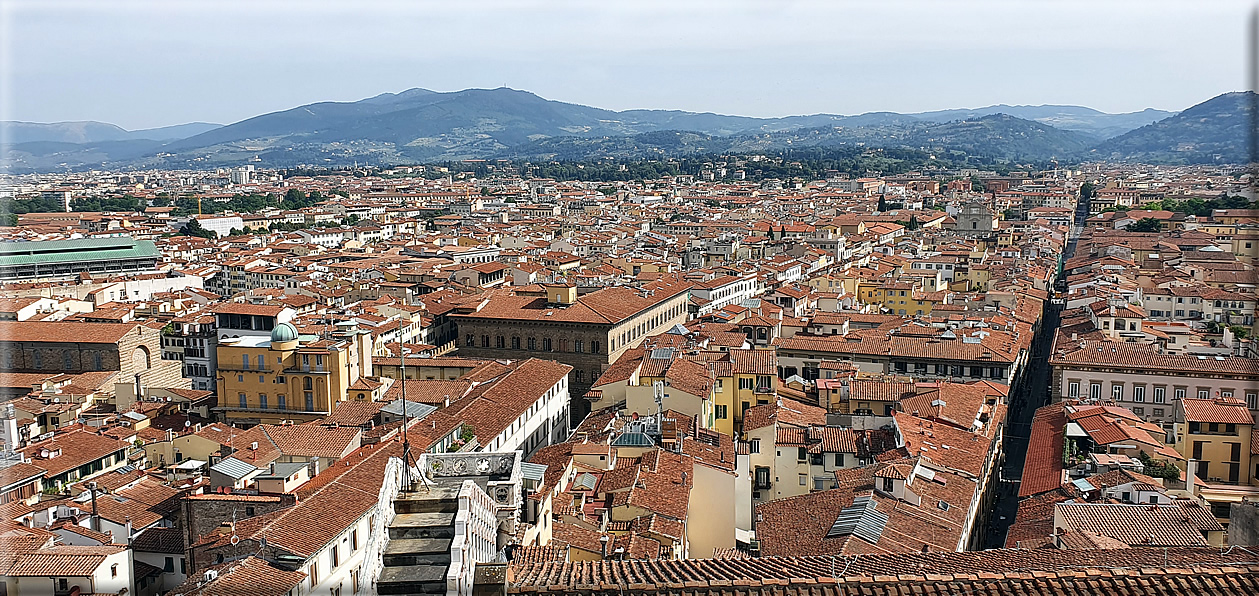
[(241, 60)]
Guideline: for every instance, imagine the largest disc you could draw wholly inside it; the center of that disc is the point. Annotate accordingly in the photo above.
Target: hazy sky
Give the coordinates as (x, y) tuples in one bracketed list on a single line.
[(144, 64)]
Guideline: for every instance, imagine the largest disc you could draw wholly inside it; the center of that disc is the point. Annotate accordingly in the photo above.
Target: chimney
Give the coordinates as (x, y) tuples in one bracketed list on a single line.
[(96, 520)]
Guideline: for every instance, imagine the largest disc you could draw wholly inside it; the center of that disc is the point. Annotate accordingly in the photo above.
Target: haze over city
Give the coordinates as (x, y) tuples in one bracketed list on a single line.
[(628, 298), (148, 64)]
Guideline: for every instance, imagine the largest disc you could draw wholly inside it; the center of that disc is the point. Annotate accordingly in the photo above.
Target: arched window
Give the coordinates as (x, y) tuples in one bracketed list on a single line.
[(140, 358)]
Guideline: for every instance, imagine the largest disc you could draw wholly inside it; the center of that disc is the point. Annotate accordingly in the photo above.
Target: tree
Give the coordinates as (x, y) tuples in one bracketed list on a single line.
[(294, 199), (882, 203), (1086, 190), (1158, 469), (193, 228), (1146, 224)]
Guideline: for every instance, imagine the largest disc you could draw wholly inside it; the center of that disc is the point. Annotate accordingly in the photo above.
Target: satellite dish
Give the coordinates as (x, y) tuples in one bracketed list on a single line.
[(235, 540), (187, 423)]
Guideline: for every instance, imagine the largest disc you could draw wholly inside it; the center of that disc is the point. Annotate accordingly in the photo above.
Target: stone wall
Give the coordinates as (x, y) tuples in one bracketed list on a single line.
[(198, 517)]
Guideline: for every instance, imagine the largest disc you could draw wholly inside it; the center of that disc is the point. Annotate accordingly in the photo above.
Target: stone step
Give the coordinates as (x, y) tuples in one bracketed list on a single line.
[(426, 505), (422, 525), (412, 579), (418, 545), (421, 551)]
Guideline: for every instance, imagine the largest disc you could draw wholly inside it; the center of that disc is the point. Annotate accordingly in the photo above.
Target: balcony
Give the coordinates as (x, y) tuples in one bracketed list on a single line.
[(269, 410), (760, 479), (763, 389), (241, 367)]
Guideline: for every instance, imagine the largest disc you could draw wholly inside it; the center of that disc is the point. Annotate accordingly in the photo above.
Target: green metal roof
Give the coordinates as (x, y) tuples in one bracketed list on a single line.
[(532, 471), (51, 252)]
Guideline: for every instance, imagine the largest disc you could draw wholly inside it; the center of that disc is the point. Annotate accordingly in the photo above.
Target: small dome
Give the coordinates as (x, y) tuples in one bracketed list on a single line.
[(284, 332)]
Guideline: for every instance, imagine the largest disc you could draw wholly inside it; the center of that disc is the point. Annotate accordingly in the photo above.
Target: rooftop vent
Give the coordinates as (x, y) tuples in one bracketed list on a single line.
[(862, 519)]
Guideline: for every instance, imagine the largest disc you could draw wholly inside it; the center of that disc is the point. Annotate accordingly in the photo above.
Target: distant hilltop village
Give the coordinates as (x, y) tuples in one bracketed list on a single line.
[(473, 379)]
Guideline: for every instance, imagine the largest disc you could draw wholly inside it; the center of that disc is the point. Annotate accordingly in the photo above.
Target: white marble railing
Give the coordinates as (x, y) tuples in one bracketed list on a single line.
[(476, 537), (378, 535)]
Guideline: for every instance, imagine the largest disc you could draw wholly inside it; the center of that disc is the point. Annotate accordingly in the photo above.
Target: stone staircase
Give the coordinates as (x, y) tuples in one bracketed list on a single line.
[(417, 556)]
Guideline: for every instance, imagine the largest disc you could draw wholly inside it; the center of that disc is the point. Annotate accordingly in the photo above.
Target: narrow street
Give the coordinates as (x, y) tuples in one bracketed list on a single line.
[(1031, 393)]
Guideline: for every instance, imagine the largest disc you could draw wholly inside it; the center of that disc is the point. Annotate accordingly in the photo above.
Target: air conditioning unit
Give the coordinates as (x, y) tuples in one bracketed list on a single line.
[(210, 575)]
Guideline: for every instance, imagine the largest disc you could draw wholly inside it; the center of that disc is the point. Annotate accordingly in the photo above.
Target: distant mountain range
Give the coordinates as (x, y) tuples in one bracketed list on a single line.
[(1214, 131), (419, 125), (96, 132)]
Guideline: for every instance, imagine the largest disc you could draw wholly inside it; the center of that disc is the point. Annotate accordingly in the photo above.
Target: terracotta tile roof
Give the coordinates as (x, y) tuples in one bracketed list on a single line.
[(1221, 410), (623, 369), (65, 331), (1042, 468), (802, 525), (1080, 540), (159, 540), (493, 407), (555, 458), (1179, 524), (354, 413), (1110, 354), (236, 308), (664, 488), (960, 404), (429, 391), (880, 389), (329, 503), (78, 447), (606, 306), (100, 537), (572, 535), (72, 561), (996, 346), (1127, 572), (754, 362), (311, 439), (251, 575), (1034, 521), (538, 554), (691, 377), (832, 439), (146, 503), (942, 444)]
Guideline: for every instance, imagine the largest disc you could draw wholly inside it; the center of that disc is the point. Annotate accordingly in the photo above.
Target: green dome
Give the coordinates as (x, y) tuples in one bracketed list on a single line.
[(284, 332)]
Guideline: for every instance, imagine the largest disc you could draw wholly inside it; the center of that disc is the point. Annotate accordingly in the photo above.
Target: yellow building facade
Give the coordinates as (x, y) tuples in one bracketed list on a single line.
[(288, 377)]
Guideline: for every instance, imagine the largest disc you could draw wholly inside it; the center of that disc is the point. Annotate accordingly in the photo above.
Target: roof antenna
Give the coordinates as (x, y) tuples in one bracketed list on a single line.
[(407, 458)]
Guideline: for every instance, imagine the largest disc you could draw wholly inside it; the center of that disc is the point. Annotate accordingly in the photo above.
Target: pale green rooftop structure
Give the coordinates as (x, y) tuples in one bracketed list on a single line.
[(59, 258)]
